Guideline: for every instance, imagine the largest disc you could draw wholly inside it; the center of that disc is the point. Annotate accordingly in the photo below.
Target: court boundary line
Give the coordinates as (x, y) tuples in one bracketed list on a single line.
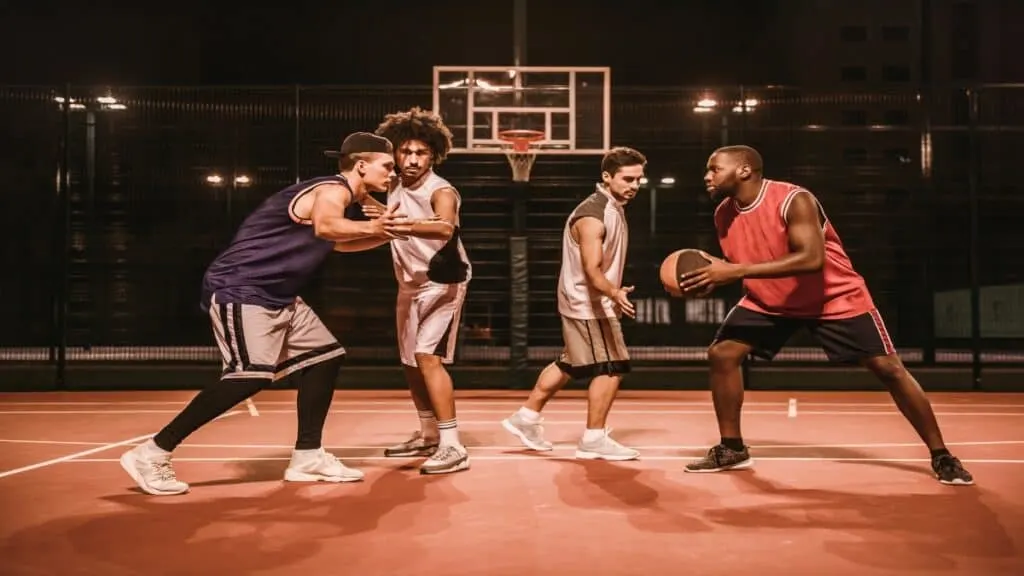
[(543, 458), (782, 411), (75, 455), (561, 446), (511, 402)]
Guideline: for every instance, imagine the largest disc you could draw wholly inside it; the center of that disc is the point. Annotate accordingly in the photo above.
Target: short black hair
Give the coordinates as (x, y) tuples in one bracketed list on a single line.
[(418, 124), (620, 157), (746, 154)]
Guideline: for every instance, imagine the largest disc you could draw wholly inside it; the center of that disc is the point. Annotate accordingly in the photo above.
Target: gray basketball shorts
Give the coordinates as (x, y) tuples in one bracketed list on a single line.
[(258, 342)]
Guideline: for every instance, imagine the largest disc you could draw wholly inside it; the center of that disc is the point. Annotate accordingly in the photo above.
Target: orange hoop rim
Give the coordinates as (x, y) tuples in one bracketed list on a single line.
[(520, 138)]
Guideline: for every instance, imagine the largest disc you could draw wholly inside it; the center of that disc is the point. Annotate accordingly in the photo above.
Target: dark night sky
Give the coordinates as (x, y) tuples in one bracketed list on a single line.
[(191, 42)]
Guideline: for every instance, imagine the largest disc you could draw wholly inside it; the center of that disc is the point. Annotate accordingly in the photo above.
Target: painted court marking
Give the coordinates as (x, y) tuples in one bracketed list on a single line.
[(408, 410), (515, 402), (565, 446), (251, 407), (539, 458), (76, 455), (70, 457)]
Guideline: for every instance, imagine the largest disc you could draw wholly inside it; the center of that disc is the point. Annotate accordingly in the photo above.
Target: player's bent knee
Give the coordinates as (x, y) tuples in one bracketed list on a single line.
[(887, 368), (428, 361), (727, 354)]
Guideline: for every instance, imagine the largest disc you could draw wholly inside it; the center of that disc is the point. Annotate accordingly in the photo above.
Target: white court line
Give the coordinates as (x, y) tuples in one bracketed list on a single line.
[(101, 448), (564, 446), (515, 402), (73, 456), (542, 458), (52, 442), (252, 407), (406, 411)]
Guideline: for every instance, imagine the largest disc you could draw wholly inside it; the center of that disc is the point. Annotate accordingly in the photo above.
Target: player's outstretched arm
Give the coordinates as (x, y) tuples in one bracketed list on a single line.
[(372, 207), (329, 222), (806, 243), (444, 202), (589, 233)]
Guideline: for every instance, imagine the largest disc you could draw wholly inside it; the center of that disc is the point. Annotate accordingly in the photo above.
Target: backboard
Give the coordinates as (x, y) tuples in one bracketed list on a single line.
[(571, 106)]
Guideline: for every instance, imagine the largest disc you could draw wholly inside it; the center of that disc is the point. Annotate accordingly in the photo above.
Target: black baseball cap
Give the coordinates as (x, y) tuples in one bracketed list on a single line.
[(361, 143)]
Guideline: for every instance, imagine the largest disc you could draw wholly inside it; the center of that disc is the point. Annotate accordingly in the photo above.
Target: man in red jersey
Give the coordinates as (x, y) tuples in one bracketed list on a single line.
[(779, 242)]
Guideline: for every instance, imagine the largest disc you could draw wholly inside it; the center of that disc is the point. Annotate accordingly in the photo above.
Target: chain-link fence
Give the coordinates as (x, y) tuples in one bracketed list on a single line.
[(106, 265)]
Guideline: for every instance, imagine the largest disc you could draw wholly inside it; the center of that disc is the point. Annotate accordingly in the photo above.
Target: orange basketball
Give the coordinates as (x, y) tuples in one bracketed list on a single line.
[(678, 263)]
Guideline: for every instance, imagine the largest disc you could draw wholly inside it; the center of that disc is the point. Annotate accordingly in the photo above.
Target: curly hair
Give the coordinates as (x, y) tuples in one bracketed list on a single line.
[(418, 124)]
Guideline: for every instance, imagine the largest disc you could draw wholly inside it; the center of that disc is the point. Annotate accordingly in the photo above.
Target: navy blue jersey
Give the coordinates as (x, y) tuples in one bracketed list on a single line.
[(271, 258)]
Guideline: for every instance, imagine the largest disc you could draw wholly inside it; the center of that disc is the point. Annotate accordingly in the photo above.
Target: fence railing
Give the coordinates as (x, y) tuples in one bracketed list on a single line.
[(118, 198)]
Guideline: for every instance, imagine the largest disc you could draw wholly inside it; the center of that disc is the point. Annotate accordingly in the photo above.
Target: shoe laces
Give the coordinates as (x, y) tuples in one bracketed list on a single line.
[(163, 470), (446, 453)]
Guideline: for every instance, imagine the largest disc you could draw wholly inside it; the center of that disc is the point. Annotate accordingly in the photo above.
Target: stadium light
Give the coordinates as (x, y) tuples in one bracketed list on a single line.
[(705, 105), (105, 103)]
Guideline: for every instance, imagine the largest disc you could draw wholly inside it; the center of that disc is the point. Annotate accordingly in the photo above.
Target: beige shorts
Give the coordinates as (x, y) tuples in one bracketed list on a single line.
[(428, 321), (593, 347), (257, 342)]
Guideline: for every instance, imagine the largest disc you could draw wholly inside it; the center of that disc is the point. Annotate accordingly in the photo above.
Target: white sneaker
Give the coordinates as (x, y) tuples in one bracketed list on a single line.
[(319, 465), (605, 448), (447, 459), (152, 471), (531, 434)]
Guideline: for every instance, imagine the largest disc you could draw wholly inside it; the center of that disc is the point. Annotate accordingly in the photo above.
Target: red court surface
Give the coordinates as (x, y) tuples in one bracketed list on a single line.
[(841, 487)]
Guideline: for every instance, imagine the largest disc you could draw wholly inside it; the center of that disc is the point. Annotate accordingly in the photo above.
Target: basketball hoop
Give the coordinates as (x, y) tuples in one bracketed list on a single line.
[(519, 153)]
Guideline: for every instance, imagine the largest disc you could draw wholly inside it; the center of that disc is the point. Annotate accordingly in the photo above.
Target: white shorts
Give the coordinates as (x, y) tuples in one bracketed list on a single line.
[(257, 342), (428, 321)]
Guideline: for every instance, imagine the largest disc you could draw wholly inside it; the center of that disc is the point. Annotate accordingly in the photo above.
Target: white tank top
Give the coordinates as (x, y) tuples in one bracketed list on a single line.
[(419, 261), (576, 299)]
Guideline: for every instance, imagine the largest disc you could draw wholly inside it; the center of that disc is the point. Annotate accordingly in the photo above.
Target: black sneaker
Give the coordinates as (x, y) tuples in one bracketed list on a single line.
[(720, 458), (949, 470)]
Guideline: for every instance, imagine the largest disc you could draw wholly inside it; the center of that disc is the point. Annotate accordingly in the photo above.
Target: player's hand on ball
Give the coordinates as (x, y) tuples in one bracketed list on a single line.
[(621, 299), (702, 281)]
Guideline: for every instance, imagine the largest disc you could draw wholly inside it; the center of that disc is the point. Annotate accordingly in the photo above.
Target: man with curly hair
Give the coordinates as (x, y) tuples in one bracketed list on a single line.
[(433, 272)]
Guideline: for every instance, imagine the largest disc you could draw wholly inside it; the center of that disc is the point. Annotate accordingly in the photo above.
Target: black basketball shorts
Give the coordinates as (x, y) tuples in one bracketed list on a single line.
[(846, 341)]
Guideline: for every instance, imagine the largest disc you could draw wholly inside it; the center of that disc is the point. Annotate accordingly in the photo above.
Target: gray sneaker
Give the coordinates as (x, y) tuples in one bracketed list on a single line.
[(447, 459), (605, 449), (721, 458), (530, 434), (416, 446)]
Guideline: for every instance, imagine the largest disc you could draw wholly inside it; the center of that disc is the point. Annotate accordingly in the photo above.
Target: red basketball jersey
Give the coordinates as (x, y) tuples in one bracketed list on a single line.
[(757, 234)]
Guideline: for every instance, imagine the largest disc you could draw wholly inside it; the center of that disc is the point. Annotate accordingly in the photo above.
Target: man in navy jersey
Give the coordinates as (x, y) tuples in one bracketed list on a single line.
[(264, 330)]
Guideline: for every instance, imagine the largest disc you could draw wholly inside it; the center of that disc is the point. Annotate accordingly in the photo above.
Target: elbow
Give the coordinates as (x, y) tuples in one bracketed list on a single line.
[(815, 262), (322, 232)]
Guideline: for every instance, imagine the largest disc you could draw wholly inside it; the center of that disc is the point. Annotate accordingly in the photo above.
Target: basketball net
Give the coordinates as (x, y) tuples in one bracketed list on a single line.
[(521, 163), (519, 153)]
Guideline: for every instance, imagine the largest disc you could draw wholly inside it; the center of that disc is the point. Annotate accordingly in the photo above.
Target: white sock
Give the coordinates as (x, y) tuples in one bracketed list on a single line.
[(529, 416), (428, 423), (449, 432), (149, 447), (593, 435)]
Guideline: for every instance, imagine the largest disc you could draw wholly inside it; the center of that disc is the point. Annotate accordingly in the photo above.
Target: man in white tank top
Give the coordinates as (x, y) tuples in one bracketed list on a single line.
[(433, 272), (590, 300)]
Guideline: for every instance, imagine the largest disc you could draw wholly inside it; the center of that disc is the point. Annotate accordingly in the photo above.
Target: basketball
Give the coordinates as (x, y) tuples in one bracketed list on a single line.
[(678, 263)]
